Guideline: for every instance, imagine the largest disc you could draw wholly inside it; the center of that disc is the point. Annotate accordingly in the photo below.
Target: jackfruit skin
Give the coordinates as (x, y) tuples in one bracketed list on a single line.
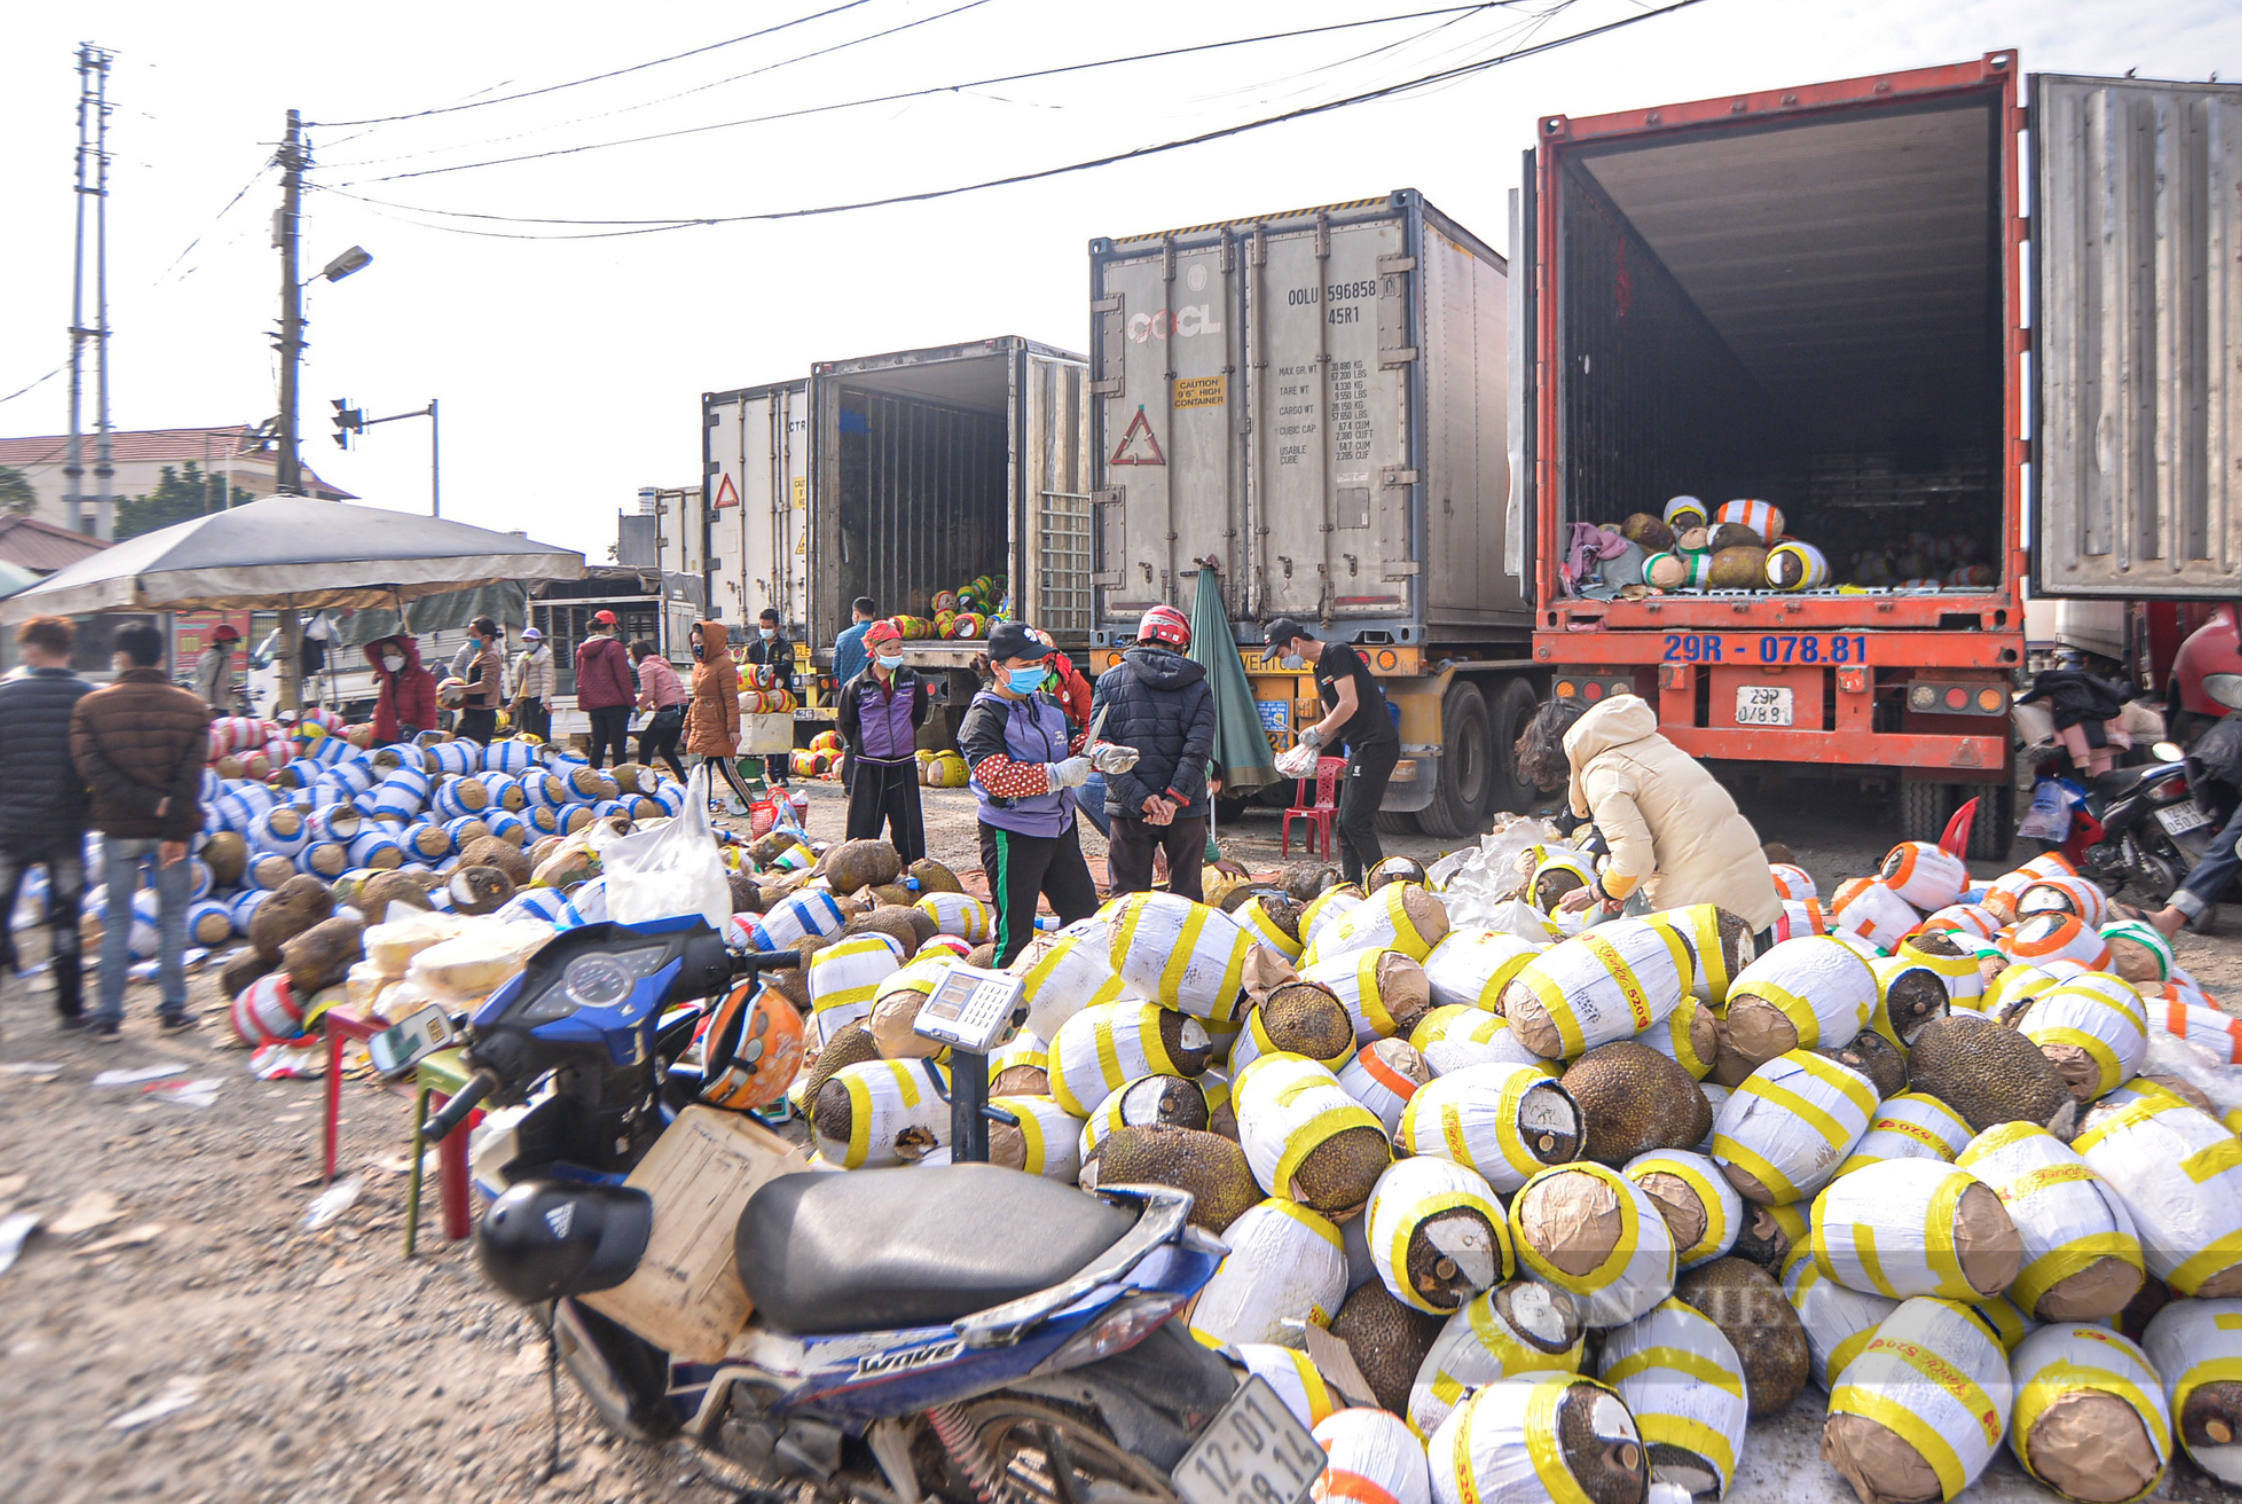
[(861, 864), (1212, 1168), (1881, 1061), (1307, 1018), (322, 955), (851, 1046), (1749, 1307), (1991, 1074), (1608, 1470), (295, 906), (1634, 1100), (933, 877), (1388, 1339), (1337, 1176)]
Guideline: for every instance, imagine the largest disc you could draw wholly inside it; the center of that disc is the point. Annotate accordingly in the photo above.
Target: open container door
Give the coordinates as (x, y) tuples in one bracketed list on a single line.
[(2137, 328)]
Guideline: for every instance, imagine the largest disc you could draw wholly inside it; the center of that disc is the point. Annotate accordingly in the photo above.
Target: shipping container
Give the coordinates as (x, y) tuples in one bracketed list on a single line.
[(1310, 409), (1818, 296)]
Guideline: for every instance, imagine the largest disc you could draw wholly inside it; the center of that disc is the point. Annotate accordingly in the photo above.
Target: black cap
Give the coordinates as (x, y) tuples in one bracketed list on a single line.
[(1280, 635), (546, 1238), (1010, 639)]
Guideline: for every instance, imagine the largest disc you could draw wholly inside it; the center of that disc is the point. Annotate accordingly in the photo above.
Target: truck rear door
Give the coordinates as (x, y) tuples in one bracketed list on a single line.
[(1052, 467), (757, 460), (2136, 231)]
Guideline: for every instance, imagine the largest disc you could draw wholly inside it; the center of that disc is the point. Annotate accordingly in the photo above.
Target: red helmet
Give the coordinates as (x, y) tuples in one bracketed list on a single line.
[(1164, 624)]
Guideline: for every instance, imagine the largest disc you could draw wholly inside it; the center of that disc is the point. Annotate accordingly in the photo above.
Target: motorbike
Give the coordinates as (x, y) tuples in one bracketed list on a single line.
[(2135, 828), (1001, 1337)]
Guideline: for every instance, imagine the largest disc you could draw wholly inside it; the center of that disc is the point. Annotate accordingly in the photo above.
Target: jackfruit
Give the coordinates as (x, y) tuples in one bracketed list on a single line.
[(1437, 1234), (860, 864), (1633, 1100), (1991, 1074), (1739, 566), (1305, 1137), (295, 906), (1909, 994), (227, 856), (1906, 1227), (1395, 869), (933, 877), (1743, 1300), (1387, 1339), (851, 1045), (322, 955), (491, 851), (1209, 1166), (1874, 1056), (1591, 1231), (1306, 1018), (1700, 1206)]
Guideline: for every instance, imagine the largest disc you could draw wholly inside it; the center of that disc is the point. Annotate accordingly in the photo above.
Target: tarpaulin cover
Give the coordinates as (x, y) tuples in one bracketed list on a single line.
[(1241, 747)]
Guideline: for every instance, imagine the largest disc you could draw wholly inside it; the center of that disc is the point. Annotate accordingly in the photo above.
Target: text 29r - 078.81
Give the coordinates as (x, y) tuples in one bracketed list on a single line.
[(1805, 647)]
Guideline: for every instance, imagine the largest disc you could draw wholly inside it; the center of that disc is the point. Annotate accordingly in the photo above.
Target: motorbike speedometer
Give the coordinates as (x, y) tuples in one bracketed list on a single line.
[(598, 980)]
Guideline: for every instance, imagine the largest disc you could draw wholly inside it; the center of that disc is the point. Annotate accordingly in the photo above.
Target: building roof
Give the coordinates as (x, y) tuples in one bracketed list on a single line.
[(162, 445), (42, 546)]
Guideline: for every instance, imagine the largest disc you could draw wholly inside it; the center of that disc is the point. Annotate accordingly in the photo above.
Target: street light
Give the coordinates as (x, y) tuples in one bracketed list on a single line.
[(356, 259)]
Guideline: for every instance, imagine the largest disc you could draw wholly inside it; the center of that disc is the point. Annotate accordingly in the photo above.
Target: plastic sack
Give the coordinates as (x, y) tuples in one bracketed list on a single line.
[(671, 871), (2049, 818)]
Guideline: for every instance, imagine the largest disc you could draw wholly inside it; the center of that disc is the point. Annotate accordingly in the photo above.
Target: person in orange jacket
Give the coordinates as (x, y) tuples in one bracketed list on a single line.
[(712, 716)]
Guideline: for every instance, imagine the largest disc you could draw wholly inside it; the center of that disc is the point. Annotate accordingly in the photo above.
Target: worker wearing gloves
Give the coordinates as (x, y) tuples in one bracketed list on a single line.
[(1354, 715), (1158, 704), (1676, 836), (1025, 771), (768, 648), (879, 715)]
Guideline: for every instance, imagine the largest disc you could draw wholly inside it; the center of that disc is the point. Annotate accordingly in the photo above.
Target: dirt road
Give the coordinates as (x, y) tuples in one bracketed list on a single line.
[(288, 1365)]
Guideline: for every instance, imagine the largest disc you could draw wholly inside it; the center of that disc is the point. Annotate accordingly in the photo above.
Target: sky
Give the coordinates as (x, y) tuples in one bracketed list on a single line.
[(570, 370)]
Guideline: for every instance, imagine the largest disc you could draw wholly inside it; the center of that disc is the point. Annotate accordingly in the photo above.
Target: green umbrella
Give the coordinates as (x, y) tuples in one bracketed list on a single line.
[(1241, 747)]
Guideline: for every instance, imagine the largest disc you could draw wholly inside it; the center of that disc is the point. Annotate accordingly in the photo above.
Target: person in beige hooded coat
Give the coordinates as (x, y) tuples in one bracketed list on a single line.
[(1674, 833)]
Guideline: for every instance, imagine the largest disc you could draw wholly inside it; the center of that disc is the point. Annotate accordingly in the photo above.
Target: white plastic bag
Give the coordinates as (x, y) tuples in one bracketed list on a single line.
[(671, 871), (2050, 816)]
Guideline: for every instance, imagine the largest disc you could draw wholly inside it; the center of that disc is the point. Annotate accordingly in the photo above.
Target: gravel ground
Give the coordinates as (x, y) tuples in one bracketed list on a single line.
[(323, 1366)]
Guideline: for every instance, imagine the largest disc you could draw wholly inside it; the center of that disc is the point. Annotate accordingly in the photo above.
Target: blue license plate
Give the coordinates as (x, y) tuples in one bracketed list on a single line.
[(1809, 648)]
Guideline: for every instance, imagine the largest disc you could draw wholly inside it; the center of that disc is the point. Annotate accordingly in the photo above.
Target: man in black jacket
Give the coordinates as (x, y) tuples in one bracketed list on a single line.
[(768, 648), (43, 802), (1157, 703)]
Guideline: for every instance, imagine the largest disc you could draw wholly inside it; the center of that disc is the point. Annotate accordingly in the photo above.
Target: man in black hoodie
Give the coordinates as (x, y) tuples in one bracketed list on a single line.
[(43, 801), (1157, 702)]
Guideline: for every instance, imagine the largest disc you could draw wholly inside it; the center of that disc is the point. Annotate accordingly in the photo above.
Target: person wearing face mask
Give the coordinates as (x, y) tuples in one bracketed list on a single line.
[(1026, 767), (486, 683), (533, 686), (605, 689), (712, 716), (879, 715), (770, 649), (405, 699)]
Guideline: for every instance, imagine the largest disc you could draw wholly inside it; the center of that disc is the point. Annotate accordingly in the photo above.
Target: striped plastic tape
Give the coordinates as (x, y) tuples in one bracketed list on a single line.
[(1295, 1378), (1875, 912), (1181, 954), (1519, 1327), (887, 1100), (1491, 1119), (1501, 1446), (1062, 974), (2192, 1343), (1411, 1193), (2052, 935), (1286, 1263), (1101, 1049), (846, 977), (1374, 1459), (1792, 1123), (1688, 1036), (1266, 931), (1637, 1272), (1892, 1229), (1361, 979), (2100, 1016), (1373, 1080), (1801, 917), (1455, 1037), (796, 916), (1399, 916), (2210, 1029), (1473, 964), (1925, 874), (959, 914), (1838, 1321), (1684, 1384), (1762, 517), (1610, 983), (1932, 1377), (1792, 881), (1287, 1106), (1812, 566), (2057, 1362), (1698, 925), (1912, 1125), (2179, 1172), (1825, 988), (1050, 1137), (1724, 1209), (1324, 910)]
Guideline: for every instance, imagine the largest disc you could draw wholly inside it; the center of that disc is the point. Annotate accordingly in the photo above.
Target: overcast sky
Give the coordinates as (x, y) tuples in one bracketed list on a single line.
[(570, 370)]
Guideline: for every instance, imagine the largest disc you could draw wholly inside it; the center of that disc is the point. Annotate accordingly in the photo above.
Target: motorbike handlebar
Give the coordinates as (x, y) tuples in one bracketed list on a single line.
[(748, 962), (455, 1111)]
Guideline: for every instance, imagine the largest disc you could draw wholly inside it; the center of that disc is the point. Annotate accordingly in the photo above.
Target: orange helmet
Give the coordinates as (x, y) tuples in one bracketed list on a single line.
[(1166, 624), (753, 1046)]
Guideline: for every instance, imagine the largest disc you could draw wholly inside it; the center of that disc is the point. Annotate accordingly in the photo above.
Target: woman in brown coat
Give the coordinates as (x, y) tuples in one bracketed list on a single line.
[(712, 715)]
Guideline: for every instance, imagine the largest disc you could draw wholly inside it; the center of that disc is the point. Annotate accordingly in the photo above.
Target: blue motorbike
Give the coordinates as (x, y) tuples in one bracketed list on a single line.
[(958, 1330)]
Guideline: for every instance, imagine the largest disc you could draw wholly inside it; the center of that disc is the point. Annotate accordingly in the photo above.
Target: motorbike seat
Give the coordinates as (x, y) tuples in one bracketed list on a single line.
[(877, 1250)]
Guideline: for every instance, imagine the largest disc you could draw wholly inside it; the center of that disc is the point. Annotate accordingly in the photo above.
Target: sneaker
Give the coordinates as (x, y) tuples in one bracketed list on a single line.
[(101, 1033), (71, 1023), (179, 1023)]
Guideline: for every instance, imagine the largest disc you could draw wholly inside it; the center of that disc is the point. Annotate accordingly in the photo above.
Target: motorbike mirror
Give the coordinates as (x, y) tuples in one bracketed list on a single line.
[(2167, 752)]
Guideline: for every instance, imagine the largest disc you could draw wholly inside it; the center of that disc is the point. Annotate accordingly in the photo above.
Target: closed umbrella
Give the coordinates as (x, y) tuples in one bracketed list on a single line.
[(1241, 747)]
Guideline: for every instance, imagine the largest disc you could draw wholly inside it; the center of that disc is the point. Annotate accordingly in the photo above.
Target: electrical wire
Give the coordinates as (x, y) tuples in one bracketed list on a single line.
[(255, 179), (878, 99), (34, 386), (477, 104), (681, 222)]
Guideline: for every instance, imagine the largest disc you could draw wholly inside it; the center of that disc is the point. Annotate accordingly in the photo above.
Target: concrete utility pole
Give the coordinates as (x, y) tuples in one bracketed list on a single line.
[(93, 183), (288, 464)]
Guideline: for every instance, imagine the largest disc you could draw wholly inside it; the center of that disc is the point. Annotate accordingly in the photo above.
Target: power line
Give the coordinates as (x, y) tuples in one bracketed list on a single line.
[(978, 83), (34, 386), (254, 180), (658, 226), (477, 104)]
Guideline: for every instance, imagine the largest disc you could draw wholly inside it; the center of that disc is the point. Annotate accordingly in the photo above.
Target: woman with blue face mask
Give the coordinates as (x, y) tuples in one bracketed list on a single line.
[(1025, 771), (768, 648), (879, 713)]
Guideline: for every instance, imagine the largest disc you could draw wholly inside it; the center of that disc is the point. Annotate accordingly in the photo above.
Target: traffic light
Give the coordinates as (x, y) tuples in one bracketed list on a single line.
[(347, 420)]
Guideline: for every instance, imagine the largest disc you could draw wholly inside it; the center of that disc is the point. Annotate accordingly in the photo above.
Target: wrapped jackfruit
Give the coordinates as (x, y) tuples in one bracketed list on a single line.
[(2094, 1027), (2196, 1346), (1437, 1234), (1684, 1384), (1874, 912), (1473, 964), (1720, 946), (1915, 1227), (1921, 1409), (1701, 1208), (1385, 992), (1100, 1049), (1062, 974), (1925, 874), (1505, 1123), (881, 1112), (1912, 1125), (1399, 916), (1181, 954), (1838, 1321), (845, 977), (1373, 1460), (1454, 1037), (1535, 1438), (1609, 983), (1285, 1263), (2090, 1419), (2179, 1172), (1295, 1378), (1815, 992), (1782, 1134), (1046, 1141), (1520, 1326), (1592, 1232), (1304, 1137), (2082, 1259), (1383, 1077)]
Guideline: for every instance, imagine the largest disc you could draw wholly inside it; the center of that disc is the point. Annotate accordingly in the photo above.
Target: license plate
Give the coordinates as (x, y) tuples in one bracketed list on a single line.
[(2179, 819), (1770, 647), (1763, 705), (402, 1046), (1253, 1452)]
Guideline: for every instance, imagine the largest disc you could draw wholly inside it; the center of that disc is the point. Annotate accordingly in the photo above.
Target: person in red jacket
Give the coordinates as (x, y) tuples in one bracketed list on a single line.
[(406, 705), (606, 689)]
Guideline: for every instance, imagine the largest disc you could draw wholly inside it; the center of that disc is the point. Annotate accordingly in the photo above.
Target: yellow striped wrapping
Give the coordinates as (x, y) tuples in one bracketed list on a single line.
[(1324, 910), (1181, 954), (2179, 1172), (1889, 970), (959, 914), (1474, 1117), (1875, 913), (2192, 1343), (1480, 1344), (1611, 982), (1064, 973), (2014, 984), (1378, 1086), (1912, 1125), (1024, 1048), (1411, 1192), (1113, 1113), (1352, 976), (2065, 1214), (1671, 1037), (1822, 985), (2002, 1321), (1053, 1136), (1285, 1263), (1838, 1321), (1257, 1031), (1932, 1376), (1264, 930), (1888, 1229), (1454, 1037), (846, 976), (1287, 1105), (1375, 1459), (1724, 1209), (1501, 1446), (1103, 1048), (1965, 981), (1472, 966), (1792, 1122), (1636, 1275), (2067, 1359), (1297, 1381), (1683, 1382), (1698, 926), (2099, 1014), (886, 1097), (1381, 922)]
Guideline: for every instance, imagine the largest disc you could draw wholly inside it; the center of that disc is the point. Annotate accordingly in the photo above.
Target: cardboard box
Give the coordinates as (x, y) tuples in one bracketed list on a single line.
[(685, 1296)]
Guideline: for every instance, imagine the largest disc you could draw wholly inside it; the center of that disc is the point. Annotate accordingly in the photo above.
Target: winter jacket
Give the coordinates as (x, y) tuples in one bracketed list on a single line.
[(2214, 767), (603, 673), (214, 679), (1008, 743), (42, 798), (136, 743), (1072, 691), (778, 653), (1674, 832), (712, 718), (879, 722), (849, 656), (533, 673), (406, 698), (2076, 697), (658, 684), (486, 680), (1158, 702)]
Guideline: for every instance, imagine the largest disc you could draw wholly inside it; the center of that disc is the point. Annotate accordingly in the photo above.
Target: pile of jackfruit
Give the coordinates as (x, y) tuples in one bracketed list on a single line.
[(1573, 1209)]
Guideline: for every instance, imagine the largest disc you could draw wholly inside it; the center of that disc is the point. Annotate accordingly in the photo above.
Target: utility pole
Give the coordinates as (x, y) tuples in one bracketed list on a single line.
[(288, 464), (93, 183)]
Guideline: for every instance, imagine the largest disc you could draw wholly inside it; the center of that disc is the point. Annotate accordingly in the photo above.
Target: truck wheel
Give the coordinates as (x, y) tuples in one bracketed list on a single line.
[(1994, 830), (1399, 822), (1922, 811), (1514, 706), (1465, 794)]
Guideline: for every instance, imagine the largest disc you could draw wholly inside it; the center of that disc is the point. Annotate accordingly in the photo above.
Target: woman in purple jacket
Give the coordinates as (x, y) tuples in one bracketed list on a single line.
[(879, 716)]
